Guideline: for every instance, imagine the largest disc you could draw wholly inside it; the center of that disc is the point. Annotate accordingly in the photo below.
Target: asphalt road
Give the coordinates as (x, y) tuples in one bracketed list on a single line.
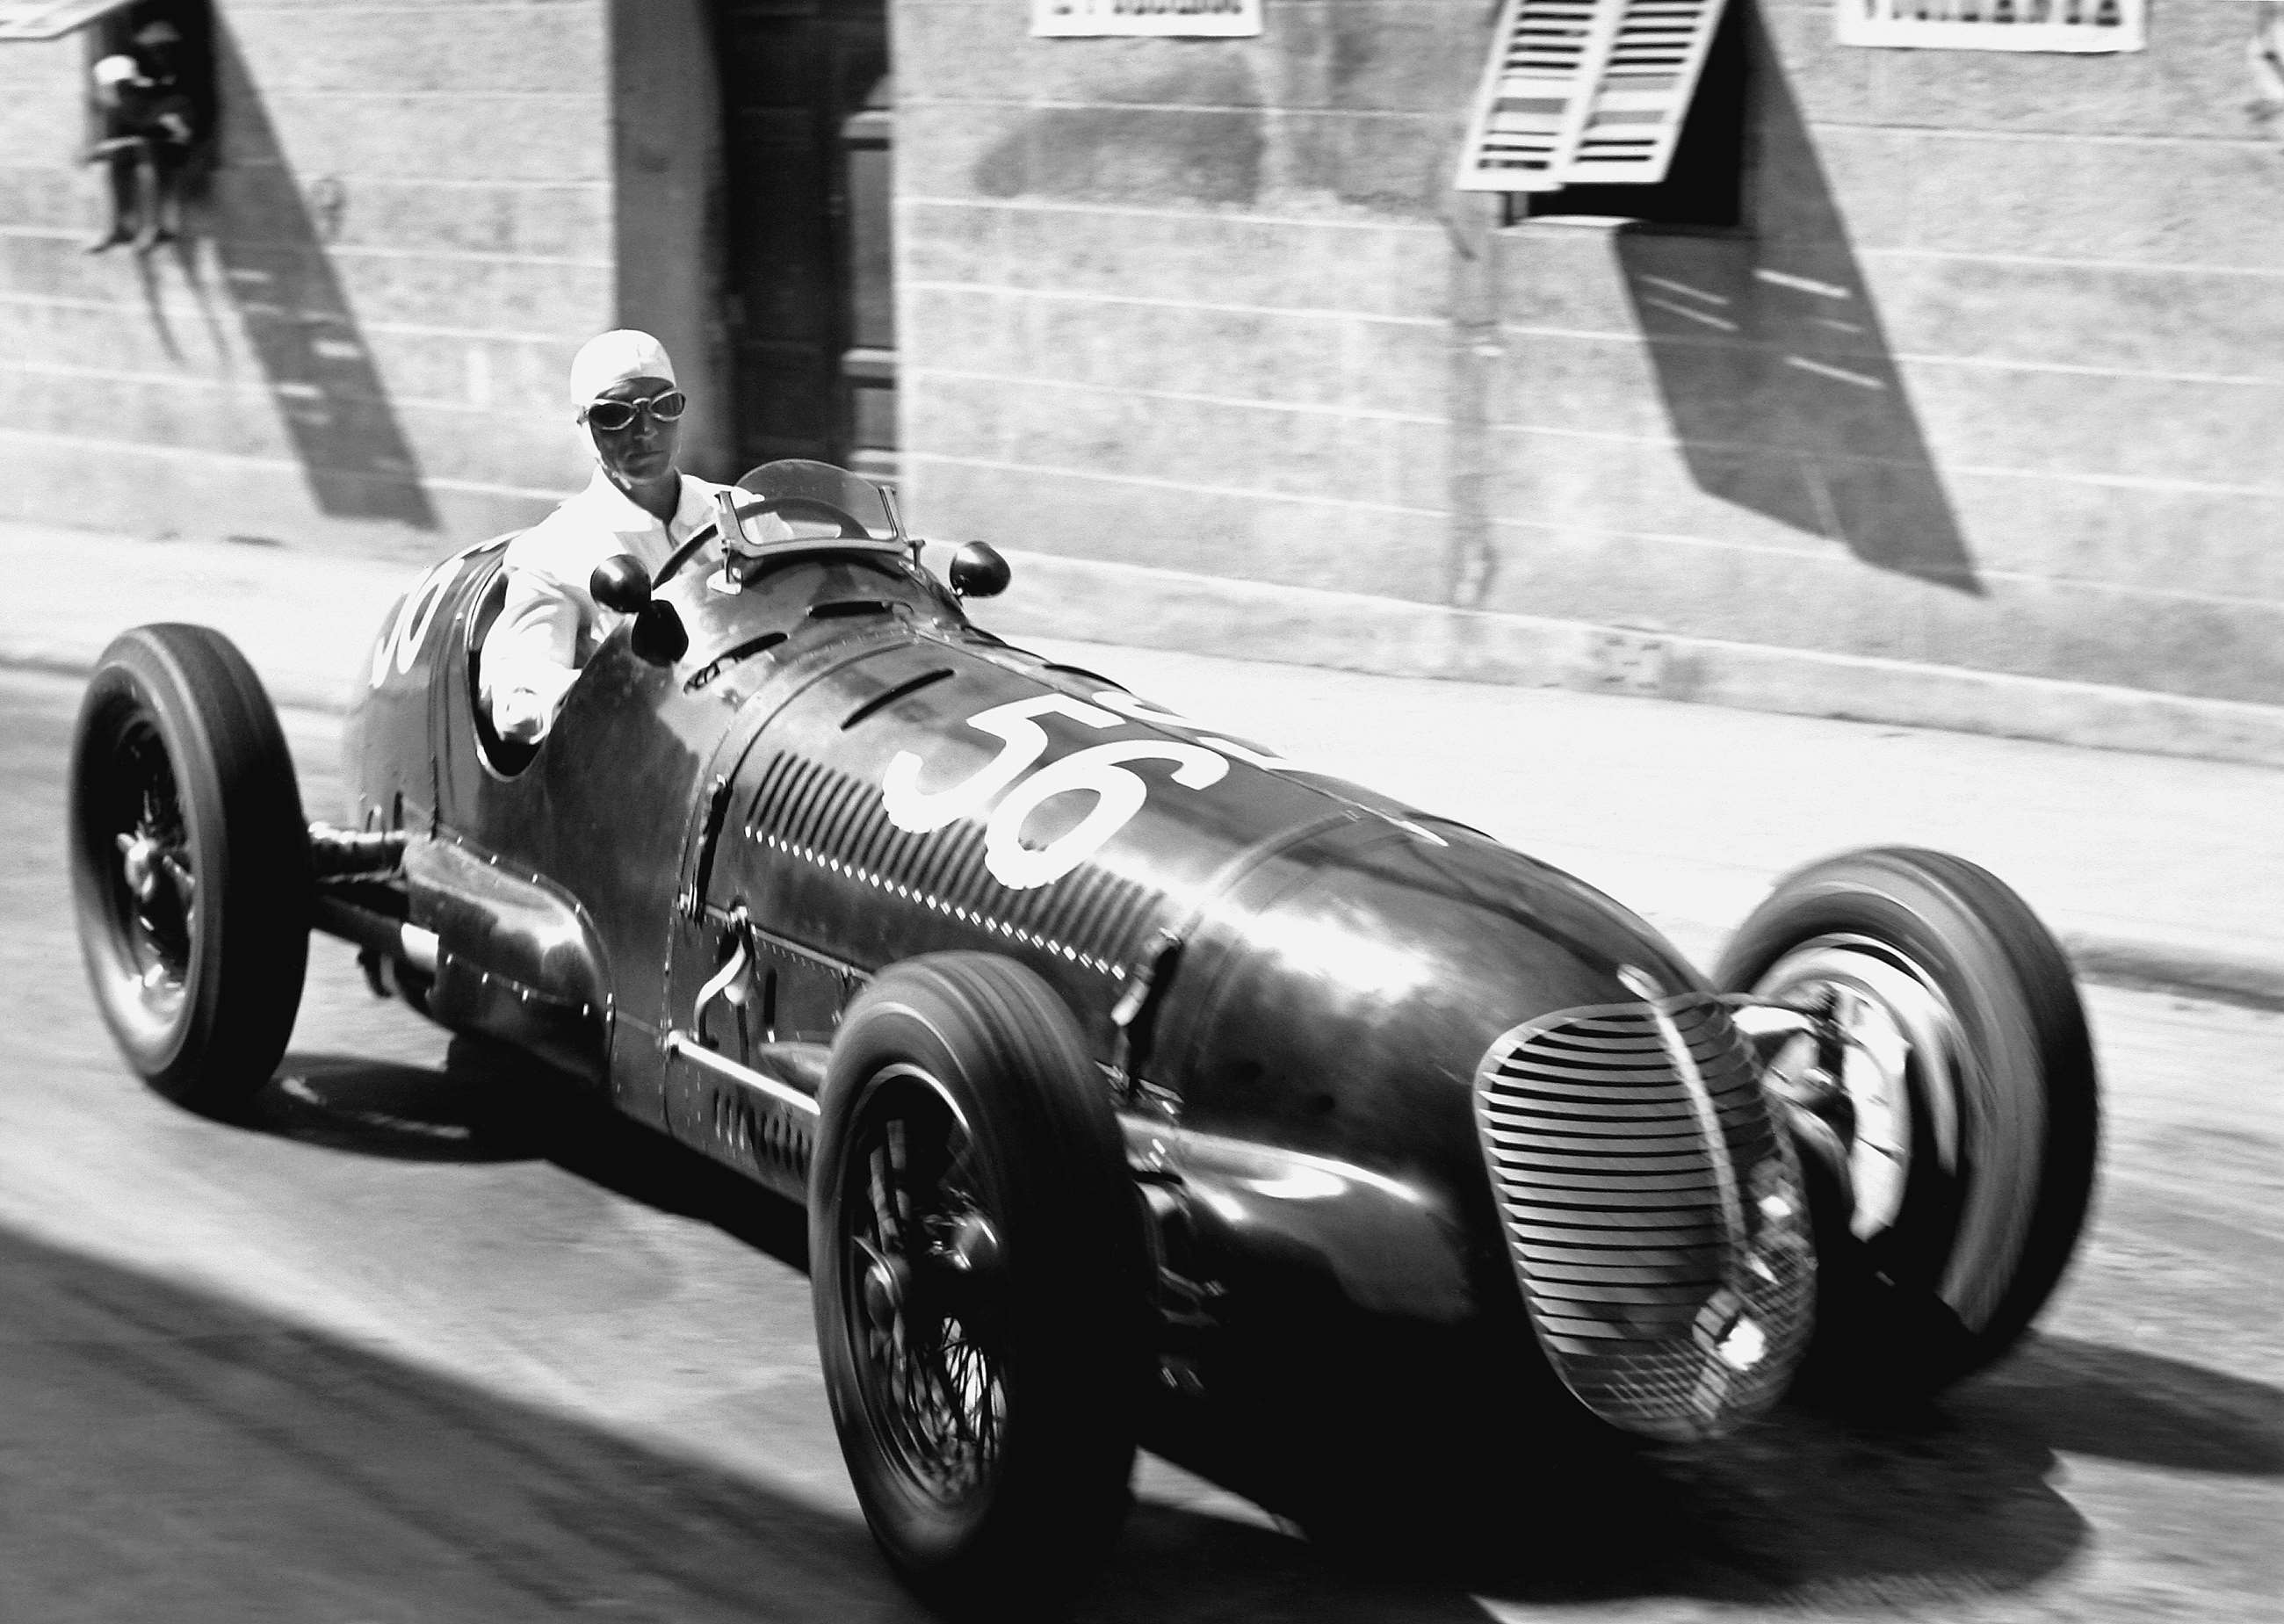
[(408, 1349)]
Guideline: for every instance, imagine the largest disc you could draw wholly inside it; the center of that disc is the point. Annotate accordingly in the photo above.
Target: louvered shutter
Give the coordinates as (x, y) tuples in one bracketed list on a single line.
[(1585, 91)]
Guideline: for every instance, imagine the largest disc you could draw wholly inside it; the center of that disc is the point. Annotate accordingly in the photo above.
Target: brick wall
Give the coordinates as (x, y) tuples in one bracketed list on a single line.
[(1181, 302), (363, 342), (1994, 379)]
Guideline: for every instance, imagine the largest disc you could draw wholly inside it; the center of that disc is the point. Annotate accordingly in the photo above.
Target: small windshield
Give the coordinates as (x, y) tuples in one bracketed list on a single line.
[(821, 482)]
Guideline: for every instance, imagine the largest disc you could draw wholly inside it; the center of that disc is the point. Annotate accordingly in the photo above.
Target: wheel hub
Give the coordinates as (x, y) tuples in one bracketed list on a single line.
[(1890, 1023), (973, 1248), (888, 1282), (139, 861)]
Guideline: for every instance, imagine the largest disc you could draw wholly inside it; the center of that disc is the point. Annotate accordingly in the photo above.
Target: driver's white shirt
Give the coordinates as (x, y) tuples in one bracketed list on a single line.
[(551, 622)]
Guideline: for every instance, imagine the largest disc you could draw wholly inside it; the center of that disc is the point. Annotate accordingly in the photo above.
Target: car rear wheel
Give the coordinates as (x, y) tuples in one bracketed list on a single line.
[(190, 864), (979, 1283), (1949, 1134)]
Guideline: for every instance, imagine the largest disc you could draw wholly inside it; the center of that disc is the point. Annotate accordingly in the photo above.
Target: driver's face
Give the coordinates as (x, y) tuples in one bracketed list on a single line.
[(643, 450)]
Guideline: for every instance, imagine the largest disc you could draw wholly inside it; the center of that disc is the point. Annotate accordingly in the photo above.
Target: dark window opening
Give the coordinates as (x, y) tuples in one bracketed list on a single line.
[(152, 113), (1704, 185)]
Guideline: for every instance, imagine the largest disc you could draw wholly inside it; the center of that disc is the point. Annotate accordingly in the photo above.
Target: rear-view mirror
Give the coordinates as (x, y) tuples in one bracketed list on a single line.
[(978, 571), (621, 582)]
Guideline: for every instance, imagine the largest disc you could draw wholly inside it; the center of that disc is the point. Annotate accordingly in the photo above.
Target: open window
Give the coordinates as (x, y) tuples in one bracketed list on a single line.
[(1632, 108), (150, 97)]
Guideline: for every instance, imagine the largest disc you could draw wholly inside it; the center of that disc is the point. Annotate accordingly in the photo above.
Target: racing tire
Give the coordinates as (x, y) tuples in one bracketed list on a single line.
[(190, 863), (1950, 1170), (981, 1284)]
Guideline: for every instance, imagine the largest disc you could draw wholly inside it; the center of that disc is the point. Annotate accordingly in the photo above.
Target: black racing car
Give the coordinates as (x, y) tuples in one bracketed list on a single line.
[(1139, 1083)]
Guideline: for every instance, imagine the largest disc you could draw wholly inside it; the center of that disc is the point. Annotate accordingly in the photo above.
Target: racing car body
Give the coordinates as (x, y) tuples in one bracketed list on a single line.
[(1250, 1089)]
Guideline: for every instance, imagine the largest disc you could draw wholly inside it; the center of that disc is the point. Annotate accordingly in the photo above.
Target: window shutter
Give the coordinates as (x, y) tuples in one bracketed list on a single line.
[(1581, 91)]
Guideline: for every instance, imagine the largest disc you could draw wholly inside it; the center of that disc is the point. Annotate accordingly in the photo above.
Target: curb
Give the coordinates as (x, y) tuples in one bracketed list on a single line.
[(2248, 983), (1099, 600)]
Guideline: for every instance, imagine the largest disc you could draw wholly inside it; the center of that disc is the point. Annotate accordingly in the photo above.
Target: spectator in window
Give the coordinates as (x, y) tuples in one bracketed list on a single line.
[(149, 126)]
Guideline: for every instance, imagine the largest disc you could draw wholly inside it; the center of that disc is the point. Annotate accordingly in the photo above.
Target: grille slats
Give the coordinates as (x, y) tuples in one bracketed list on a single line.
[(1618, 1139)]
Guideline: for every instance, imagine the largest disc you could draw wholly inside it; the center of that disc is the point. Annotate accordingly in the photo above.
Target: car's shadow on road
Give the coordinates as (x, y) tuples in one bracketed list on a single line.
[(485, 1104), (1931, 1511), (1810, 1509)]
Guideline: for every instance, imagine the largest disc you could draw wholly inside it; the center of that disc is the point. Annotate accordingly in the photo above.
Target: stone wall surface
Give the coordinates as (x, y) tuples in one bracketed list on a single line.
[(1182, 303), (407, 231), (1991, 377)]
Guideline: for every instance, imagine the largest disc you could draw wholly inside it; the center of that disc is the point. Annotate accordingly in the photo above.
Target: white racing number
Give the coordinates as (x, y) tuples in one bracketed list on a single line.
[(400, 645), (1098, 770)]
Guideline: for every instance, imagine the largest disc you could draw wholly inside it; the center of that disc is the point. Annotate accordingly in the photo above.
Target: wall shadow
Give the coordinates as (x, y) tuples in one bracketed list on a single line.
[(1774, 366), (297, 318)]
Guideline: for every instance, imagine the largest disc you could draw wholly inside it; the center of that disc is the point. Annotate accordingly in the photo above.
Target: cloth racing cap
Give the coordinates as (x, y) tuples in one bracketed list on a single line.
[(614, 357), (114, 71)]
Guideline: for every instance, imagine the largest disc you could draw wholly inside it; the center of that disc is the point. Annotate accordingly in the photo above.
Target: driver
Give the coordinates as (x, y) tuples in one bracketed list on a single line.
[(637, 503)]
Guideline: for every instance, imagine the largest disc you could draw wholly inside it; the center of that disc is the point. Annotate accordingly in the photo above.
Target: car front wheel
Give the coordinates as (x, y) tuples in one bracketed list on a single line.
[(980, 1281), (190, 864), (1948, 1127)]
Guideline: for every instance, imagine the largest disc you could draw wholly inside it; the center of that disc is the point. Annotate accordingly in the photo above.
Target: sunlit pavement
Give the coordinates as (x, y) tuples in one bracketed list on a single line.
[(419, 1346)]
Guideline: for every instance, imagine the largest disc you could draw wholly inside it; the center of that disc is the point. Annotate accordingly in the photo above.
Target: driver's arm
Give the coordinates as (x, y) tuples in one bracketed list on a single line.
[(532, 655)]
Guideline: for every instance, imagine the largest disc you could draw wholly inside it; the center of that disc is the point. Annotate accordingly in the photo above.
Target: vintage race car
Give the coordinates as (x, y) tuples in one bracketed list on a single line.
[(1140, 1084)]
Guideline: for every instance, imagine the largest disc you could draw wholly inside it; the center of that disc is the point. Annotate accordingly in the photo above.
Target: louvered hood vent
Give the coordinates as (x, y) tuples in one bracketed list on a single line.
[(1654, 1212)]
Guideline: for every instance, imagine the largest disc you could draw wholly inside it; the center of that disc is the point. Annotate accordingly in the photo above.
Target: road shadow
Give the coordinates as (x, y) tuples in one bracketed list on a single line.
[(2124, 1404), (488, 1103), (1943, 1507), (164, 1454), (384, 1109), (298, 321), (1774, 366)]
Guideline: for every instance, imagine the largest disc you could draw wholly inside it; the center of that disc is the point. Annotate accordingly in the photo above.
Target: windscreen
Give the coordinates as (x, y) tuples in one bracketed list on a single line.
[(814, 481)]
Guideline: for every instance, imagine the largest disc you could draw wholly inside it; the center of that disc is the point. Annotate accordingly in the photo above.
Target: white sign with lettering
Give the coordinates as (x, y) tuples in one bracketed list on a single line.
[(1995, 25), (1208, 19)]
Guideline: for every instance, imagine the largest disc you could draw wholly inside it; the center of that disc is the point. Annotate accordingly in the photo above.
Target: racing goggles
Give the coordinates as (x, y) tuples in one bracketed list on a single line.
[(612, 416)]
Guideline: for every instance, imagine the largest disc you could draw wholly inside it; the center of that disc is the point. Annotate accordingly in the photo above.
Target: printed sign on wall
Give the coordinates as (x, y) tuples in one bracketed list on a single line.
[(1995, 25), (1203, 18)]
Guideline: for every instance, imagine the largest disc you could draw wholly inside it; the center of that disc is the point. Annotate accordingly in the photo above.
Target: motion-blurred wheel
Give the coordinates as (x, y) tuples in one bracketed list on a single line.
[(979, 1278), (190, 864), (1947, 1121)]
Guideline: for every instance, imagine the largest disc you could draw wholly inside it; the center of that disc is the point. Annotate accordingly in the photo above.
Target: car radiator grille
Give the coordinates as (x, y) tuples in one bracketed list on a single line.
[(1653, 1211)]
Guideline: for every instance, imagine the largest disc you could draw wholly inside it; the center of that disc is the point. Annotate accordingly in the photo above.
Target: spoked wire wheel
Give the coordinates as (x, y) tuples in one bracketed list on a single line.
[(149, 908), (982, 1284), (921, 1274), (190, 864)]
